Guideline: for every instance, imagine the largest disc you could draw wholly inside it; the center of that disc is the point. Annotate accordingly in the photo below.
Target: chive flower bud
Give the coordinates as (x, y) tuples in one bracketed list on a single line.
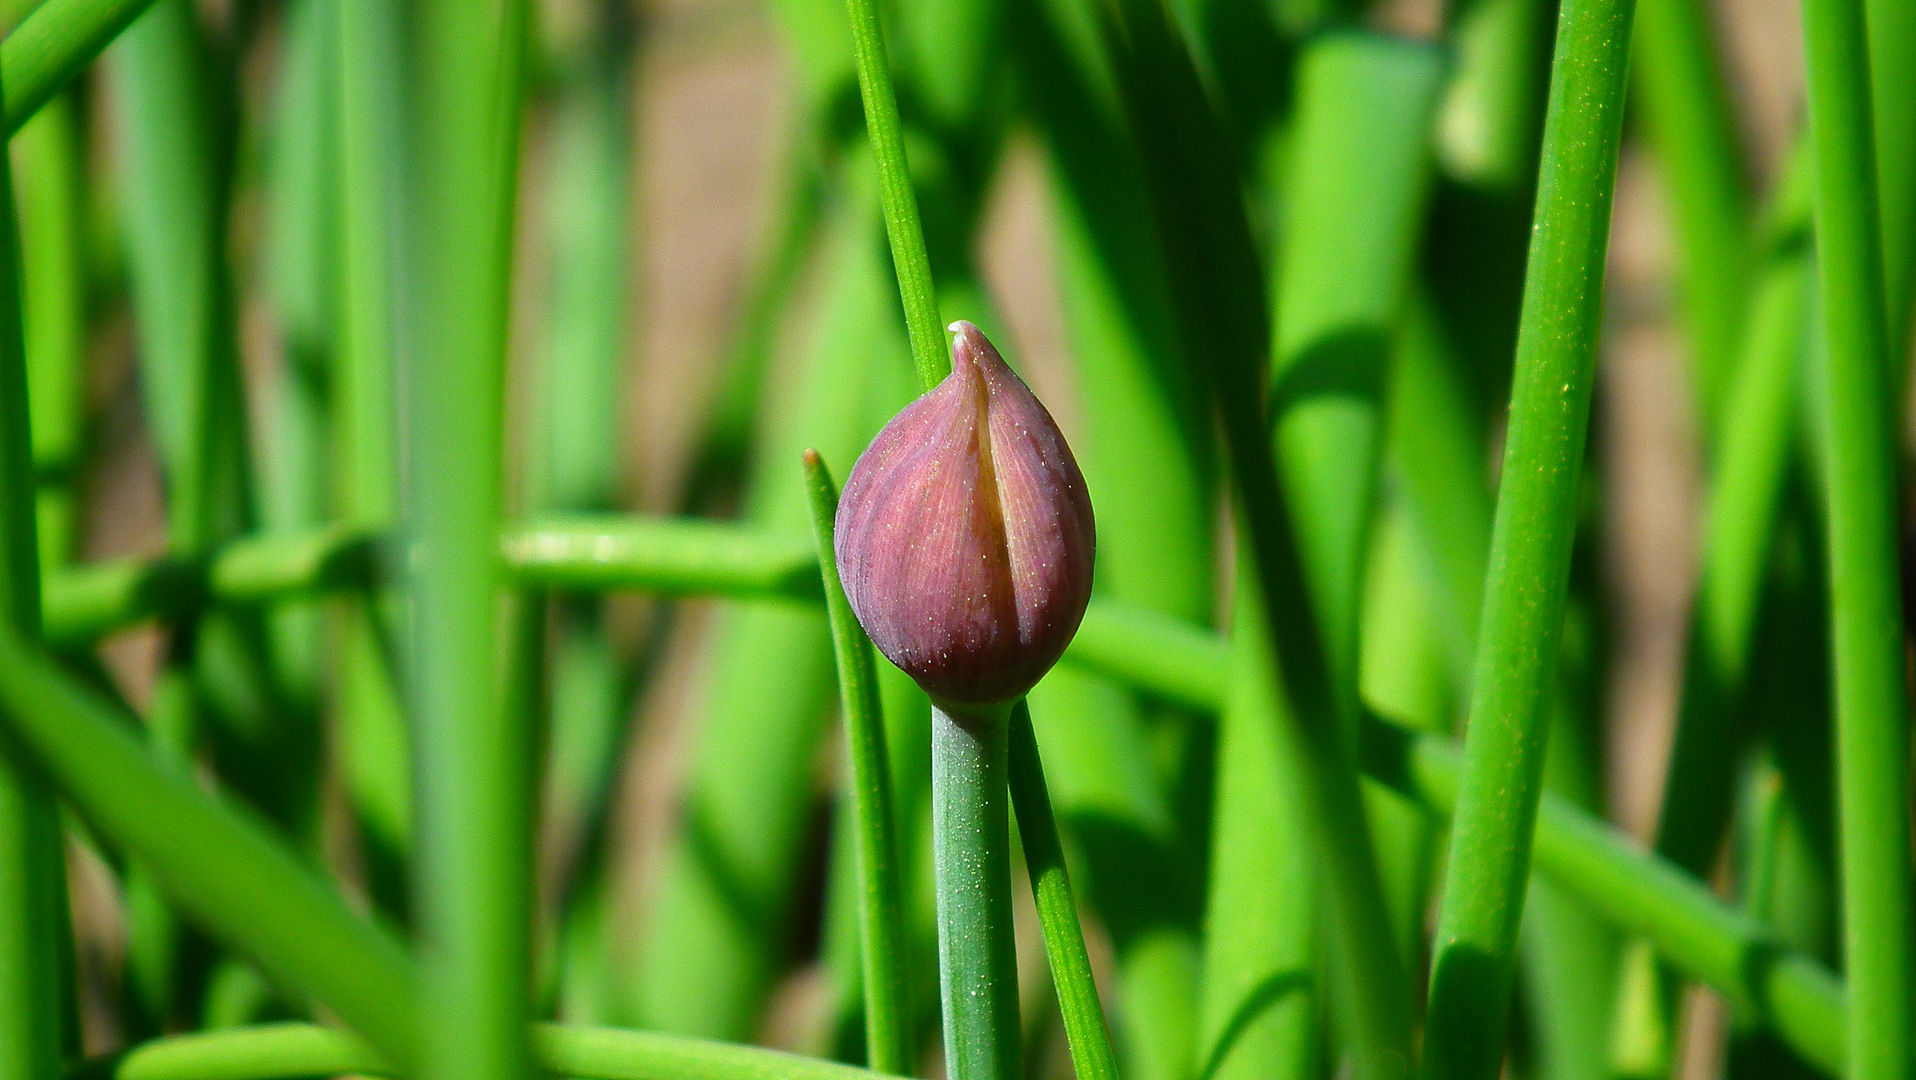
[(964, 535)]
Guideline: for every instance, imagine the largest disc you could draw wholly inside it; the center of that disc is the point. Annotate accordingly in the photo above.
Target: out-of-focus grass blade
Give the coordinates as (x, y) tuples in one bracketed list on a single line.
[(1487, 127), (1693, 133), (214, 861), (575, 450), (35, 995), (1350, 216), (1126, 805), (474, 766), (372, 738), (291, 483), (53, 308), (267, 1051), (1892, 78), (1351, 213), (1872, 697), (1261, 988), (177, 152)]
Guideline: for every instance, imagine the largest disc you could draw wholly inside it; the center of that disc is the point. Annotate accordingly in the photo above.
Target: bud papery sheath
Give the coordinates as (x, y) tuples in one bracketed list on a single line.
[(964, 534)]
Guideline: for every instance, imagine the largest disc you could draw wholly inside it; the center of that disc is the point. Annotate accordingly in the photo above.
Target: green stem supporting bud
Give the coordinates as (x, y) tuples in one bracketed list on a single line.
[(971, 844)]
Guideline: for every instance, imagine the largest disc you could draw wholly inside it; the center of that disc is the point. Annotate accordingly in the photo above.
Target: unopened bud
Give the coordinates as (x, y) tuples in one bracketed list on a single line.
[(964, 535)]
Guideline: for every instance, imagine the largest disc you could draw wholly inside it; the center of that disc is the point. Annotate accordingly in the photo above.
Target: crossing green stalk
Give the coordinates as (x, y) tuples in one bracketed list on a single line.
[(1524, 597), (54, 44), (1872, 706), (881, 890), (268, 1051), (474, 775)]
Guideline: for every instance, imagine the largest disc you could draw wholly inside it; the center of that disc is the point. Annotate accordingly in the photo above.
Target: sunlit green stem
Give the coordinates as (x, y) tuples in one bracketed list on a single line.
[(32, 870), (1535, 524), (1872, 703), (881, 890), (971, 845), (907, 234)]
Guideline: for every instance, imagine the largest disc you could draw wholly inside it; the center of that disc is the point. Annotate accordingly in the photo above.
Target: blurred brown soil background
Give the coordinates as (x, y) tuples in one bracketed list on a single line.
[(712, 117)]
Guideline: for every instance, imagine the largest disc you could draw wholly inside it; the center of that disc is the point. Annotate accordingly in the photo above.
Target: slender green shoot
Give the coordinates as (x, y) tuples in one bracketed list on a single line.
[(907, 233), (1092, 1057), (1872, 706), (1524, 597), (32, 865), (971, 849), (881, 889)]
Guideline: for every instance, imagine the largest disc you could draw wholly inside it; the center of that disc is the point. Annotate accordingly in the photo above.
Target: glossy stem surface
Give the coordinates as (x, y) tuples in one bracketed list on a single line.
[(971, 849), (1872, 706), (1535, 524)]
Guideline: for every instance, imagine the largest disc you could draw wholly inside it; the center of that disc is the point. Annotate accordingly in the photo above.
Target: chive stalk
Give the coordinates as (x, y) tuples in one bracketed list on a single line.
[(1872, 704), (1535, 523), (881, 890), (33, 1008), (1086, 1032), (971, 844), (474, 789)]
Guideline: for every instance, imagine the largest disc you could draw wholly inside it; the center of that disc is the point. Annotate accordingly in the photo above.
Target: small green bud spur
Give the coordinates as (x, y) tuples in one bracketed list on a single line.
[(964, 535)]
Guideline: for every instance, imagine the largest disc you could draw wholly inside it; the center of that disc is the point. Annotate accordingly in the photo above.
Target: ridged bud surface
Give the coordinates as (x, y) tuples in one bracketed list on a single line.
[(964, 534)]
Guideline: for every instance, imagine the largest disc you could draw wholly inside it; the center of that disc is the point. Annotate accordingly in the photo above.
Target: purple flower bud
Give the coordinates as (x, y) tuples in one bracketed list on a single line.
[(964, 536)]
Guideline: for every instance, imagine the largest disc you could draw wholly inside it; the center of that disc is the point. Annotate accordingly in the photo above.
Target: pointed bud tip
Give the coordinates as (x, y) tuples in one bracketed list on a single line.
[(965, 537)]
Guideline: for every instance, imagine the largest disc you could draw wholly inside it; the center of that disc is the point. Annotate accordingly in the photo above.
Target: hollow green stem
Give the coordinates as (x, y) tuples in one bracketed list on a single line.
[(881, 890), (971, 847), (32, 865), (902, 226), (1535, 523), (1872, 707), (474, 790), (1092, 1057)]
